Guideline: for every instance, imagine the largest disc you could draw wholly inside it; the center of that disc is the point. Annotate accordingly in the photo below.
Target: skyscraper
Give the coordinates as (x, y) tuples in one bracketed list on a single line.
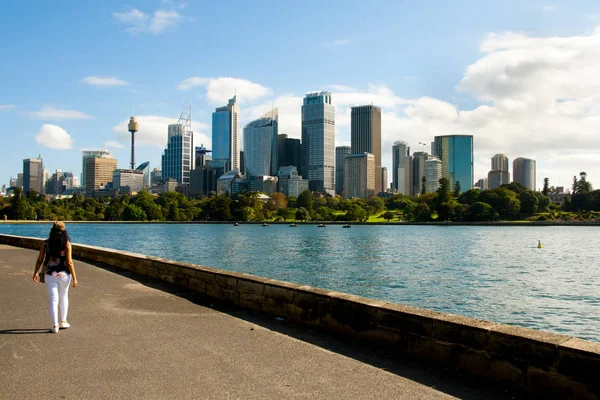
[(33, 175), (226, 135), (456, 153), (524, 172), (359, 175), (401, 167), (340, 155), (178, 156), (365, 136), (384, 179), (260, 145), (288, 151), (418, 171), (85, 155), (499, 174), (432, 170), (99, 171), (318, 142)]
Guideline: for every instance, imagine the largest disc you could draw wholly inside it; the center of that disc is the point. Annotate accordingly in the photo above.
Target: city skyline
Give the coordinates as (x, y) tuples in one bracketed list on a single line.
[(498, 82)]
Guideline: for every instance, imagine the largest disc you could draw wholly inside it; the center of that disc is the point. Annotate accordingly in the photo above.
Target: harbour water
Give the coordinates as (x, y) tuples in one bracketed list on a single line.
[(495, 273)]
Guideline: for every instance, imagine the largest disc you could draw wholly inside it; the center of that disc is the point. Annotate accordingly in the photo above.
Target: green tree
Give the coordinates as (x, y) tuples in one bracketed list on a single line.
[(324, 213), (423, 182), (377, 203), (302, 214), (469, 197), (134, 213), (19, 207), (443, 191), (388, 215), (480, 211), (305, 200), (457, 189), (422, 212), (356, 213), (546, 188)]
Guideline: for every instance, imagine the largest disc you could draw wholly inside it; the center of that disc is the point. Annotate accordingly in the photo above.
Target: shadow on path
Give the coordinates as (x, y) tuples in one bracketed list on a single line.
[(24, 331)]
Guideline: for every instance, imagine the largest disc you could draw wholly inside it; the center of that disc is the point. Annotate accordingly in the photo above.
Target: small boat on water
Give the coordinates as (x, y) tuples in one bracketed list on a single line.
[(346, 226), (236, 224), (265, 224), (292, 225), (321, 226)]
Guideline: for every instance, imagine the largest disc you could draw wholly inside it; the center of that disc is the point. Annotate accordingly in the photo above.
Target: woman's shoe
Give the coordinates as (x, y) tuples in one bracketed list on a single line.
[(54, 329), (64, 324)]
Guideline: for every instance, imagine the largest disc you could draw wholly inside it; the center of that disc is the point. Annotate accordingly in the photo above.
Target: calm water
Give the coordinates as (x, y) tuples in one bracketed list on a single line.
[(492, 273)]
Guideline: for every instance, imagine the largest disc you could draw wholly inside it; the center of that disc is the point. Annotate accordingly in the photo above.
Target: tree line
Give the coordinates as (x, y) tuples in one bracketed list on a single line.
[(509, 202)]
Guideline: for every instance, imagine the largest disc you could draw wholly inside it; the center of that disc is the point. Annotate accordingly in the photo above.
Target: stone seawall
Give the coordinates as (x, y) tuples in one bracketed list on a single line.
[(541, 363)]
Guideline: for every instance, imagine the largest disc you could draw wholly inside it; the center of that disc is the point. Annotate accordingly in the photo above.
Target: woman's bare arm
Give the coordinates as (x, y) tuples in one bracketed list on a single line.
[(70, 265), (38, 262)]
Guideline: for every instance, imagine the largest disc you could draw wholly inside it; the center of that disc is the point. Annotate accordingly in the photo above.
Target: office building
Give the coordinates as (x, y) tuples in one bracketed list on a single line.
[(226, 135), (128, 181), (288, 151), (456, 153), (290, 183), (260, 145), (155, 177), (499, 174), (359, 176), (226, 184), (384, 179), (524, 172), (99, 171), (481, 184), (262, 184), (365, 136), (401, 168), (340, 156), (33, 175), (84, 156), (318, 142), (418, 171), (500, 162), (145, 168), (432, 170), (178, 156)]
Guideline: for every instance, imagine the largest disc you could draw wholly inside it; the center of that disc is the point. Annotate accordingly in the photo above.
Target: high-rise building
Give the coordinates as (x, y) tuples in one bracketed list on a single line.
[(481, 184), (288, 151), (318, 142), (500, 162), (290, 183), (359, 175), (384, 179), (128, 181), (178, 156), (524, 172), (365, 136), (260, 145), (418, 171), (456, 153), (84, 156), (433, 173), (145, 168), (340, 156), (33, 175), (226, 135), (99, 171), (401, 167)]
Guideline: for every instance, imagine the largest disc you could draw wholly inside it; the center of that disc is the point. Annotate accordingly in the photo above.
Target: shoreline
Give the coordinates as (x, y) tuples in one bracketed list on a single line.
[(486, 223)]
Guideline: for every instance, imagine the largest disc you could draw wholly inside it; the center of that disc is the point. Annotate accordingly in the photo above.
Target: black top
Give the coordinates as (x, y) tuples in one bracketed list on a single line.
[(55, 263)]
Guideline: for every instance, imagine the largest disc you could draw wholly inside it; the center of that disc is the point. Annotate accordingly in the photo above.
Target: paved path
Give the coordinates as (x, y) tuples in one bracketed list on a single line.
[(135, 338)]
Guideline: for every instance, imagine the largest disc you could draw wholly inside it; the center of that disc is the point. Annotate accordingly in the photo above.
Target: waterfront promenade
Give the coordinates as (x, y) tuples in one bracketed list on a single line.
[(134, 337)]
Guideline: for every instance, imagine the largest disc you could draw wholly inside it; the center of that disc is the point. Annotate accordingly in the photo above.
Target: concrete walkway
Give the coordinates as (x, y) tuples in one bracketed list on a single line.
[(135, 338)]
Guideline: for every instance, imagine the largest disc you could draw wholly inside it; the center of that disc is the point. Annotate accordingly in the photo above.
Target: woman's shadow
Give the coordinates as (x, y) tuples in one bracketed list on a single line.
[(23, 331)]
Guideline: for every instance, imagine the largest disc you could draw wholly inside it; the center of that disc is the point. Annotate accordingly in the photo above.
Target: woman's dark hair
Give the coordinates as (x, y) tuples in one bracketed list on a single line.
[(57, 241)]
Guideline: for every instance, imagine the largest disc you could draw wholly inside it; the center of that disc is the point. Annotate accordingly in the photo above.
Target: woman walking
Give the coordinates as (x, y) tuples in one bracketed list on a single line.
[(58, 272)]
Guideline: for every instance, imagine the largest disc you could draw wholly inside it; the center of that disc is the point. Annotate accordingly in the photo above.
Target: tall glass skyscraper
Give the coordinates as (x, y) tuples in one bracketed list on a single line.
[(340, 155), (456, 153), (288, 151), (260, 145), (318, 142), (226, 135), (365, 136), (401, 167), (178, 156)]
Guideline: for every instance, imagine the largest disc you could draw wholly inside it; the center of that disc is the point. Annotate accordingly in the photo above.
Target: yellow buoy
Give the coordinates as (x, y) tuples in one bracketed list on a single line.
[(539, 244)]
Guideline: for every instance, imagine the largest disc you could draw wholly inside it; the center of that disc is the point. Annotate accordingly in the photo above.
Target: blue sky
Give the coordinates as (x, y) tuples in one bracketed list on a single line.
[(519, 76)]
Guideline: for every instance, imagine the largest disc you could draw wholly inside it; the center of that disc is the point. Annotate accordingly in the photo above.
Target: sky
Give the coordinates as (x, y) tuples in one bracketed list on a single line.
[(521, 77)]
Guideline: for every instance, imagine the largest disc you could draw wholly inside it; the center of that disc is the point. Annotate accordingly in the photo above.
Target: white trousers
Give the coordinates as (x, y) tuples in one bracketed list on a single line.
[(58, 289)]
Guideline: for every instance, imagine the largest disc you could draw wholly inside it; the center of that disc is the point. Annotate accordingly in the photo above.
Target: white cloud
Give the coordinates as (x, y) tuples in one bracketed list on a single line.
[(335, 43), (113, 144), (6, 107), (159, 22), (548, 9), (153, 131), (107, 81), (219, 90), (58, 114), (54, 137)]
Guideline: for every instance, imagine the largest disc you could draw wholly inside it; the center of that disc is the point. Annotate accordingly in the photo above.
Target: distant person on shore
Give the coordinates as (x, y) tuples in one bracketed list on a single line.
[(58, 271)]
